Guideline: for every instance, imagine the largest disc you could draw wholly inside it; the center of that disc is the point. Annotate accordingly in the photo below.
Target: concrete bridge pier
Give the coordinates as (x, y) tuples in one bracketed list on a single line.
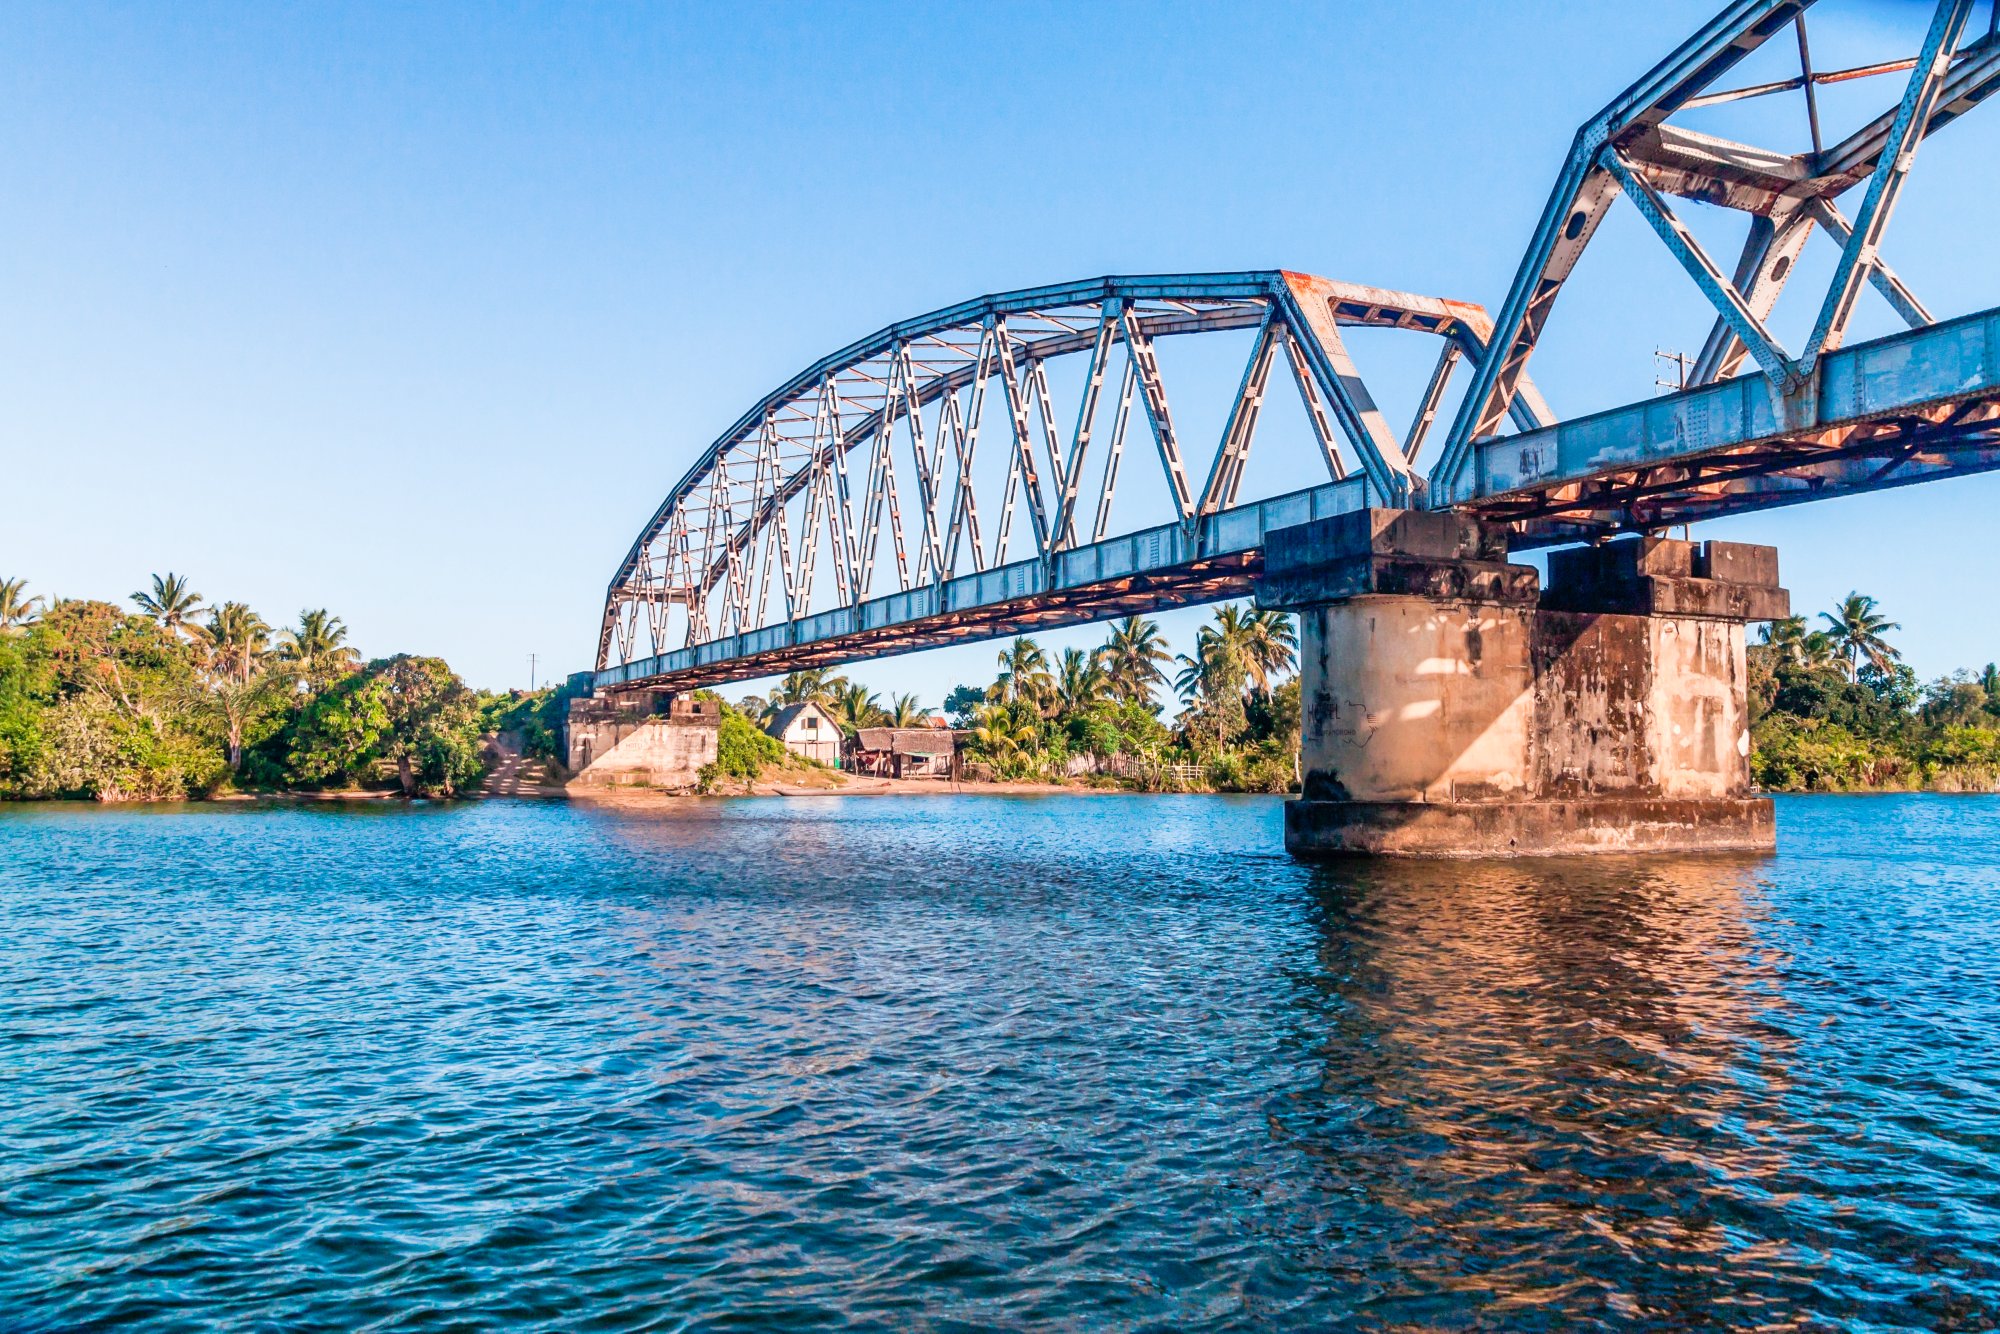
[(640, 739), (1453, 706)]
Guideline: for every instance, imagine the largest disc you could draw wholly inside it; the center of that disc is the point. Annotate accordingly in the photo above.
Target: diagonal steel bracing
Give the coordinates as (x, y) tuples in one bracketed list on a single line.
[(1633, 148), (778, 499)]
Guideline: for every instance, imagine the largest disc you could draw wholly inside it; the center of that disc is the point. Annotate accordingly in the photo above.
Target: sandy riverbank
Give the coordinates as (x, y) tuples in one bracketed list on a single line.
[(831, 784)]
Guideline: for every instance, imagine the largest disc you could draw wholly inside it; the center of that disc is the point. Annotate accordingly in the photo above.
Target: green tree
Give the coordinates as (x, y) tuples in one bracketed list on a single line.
[(238, 642), (1007, 733), (963, 704), (17, 609), (318, 647), (1786, 639), (1024, 675), (173, 604), (1211, 681), (1269, 646), (340, 734), (240, 689), (1857, 628), (433, 731), (814, 684), (119, 710), (1132, 658), (25, 686), (742, 751), (904, 711), (854, 708), (1080, 684)]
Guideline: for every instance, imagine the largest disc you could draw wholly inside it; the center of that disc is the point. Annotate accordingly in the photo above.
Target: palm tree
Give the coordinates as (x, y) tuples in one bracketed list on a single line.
[(16, 610), (854, 708), (1003, 731), (1196, 675), (904, 711), (1080, 683), (1857, 630), (812, 684), (1024, 674), (318, 647), (173, 603), (1786, 638), (1132, 658), (1211, 679), (238, 641), (1269, 645)]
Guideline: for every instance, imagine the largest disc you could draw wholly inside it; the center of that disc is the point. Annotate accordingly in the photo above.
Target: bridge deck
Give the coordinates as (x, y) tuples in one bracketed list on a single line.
[(1167, 566), (1911, 407)]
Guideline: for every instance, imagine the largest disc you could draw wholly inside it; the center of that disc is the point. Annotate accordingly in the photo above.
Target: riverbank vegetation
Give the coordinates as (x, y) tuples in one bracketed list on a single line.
[(1834, 708), (1093, 714), (173, 698)]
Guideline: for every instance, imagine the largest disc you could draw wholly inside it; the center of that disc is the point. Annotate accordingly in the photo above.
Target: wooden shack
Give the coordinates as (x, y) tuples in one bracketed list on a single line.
[(904, 752)]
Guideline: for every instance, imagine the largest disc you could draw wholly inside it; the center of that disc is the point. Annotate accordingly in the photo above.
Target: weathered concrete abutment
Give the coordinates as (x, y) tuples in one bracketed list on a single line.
[(1455, 707), (640, 740)]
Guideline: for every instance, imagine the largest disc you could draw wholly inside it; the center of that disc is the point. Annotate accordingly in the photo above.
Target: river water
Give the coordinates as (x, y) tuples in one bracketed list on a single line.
[(981, 1062)]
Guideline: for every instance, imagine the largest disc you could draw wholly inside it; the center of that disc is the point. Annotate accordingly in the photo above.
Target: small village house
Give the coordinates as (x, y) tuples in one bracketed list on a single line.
[(808, 731), (904, 752)]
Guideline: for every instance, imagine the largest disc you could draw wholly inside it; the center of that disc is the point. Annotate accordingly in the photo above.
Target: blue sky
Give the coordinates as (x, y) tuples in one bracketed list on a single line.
[(414, 312)]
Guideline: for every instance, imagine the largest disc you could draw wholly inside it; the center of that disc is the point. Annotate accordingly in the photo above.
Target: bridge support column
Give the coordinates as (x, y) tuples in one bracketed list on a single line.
[(640, 740), (1455, 707)]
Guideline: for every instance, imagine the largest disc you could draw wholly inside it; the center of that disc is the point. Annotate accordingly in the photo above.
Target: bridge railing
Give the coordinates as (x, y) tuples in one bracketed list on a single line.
[(969, 607), (1906, 408)]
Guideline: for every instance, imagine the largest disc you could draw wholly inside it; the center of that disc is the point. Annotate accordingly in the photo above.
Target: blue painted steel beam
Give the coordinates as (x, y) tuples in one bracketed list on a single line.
[(1929, 397), (1154, 568)]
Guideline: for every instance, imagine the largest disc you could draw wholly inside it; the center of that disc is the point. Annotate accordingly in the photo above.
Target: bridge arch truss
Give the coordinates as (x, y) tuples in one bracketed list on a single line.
[(857, 510)]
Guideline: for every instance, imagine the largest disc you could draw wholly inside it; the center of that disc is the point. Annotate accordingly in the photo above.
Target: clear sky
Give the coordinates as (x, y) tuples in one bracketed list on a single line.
[(415, 311)]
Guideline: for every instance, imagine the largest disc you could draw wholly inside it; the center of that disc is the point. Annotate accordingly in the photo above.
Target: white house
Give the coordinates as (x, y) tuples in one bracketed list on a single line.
[(809, 730)]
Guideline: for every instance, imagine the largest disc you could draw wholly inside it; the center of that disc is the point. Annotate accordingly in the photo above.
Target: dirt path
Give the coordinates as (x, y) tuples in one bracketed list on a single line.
[(516, 775)]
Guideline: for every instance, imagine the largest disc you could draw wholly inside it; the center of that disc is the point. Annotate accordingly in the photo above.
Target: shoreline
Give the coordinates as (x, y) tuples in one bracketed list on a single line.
[(864, 787)]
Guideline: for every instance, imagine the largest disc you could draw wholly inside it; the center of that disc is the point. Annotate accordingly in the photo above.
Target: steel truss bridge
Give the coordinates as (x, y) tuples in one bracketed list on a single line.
[(921, 487)]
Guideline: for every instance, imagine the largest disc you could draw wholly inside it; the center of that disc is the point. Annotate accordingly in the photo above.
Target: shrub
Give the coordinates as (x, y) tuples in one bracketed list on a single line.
[(742, 751)]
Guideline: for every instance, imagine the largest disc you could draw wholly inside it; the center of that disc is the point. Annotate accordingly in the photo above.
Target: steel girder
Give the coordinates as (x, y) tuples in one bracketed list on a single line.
[(1918, 405), (875, 446), (1629, 148)]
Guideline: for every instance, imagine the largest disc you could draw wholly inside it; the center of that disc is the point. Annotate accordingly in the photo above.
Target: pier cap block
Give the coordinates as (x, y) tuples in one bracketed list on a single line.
[(1419, 553), (1654, 576), (1321, 830), (1426, 534)]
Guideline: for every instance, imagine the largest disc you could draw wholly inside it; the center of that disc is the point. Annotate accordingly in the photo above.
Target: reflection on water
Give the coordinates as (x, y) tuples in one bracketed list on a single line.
[(1554, 1084), (978, 1062)]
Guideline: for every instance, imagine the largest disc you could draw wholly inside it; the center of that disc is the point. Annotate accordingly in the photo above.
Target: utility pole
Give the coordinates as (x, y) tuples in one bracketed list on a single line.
[(1680, 363), (531, 673)]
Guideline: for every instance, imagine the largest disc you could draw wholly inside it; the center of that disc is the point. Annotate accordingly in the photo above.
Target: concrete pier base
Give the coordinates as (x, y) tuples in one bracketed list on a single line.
[(1323, 829), (1455, 707), (642, 741)]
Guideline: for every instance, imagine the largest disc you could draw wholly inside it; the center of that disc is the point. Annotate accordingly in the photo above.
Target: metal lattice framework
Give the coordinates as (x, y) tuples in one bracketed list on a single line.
[(1632, 149), (868, 459), (857, 511)]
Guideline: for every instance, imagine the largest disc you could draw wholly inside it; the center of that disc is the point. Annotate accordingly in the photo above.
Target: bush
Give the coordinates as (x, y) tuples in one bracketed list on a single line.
[(1807, 755), (1963, 759), (1226, 772), (743, 751), (535, 716)]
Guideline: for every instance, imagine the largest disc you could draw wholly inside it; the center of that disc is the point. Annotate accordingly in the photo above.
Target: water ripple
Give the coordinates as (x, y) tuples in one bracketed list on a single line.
[(969, 1063)]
